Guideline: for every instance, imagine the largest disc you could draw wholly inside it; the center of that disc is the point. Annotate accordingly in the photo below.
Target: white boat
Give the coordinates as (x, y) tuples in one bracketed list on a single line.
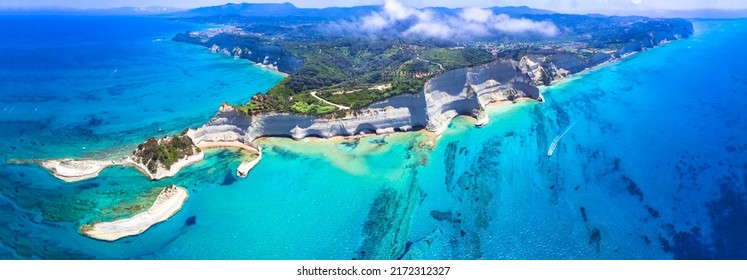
[(555, 141)]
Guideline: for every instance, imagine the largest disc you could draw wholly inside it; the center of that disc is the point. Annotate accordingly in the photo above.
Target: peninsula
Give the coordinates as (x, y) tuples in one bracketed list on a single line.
[(361, 83), (156, 158)]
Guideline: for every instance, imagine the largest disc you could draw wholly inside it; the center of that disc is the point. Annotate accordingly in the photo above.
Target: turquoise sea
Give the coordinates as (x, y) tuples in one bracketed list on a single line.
[(654, 166)]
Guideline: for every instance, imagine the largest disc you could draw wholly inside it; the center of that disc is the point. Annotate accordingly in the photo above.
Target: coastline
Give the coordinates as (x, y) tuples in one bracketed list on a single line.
[(603, 65), (267, 68), (246, 166), (490, 108), (499, 104), (488, 182), (168, 203), (165, 173), (346, 153), (204, 145), (477, 121), (71, 170), (217, 29), (479, 116)]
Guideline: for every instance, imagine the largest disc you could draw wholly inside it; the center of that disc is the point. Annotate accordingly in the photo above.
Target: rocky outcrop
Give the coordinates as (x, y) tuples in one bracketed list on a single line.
[(247, 165), (164, 157), (156, 158), (458, 92)]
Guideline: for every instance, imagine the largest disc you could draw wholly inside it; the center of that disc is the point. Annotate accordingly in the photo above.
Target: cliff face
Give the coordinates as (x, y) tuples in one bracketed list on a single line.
[(546, 68), (467, 92), (458, 92), (234, 42), (399, 113)]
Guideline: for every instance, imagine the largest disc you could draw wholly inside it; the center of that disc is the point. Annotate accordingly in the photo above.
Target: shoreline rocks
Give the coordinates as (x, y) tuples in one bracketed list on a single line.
[(246, 166)]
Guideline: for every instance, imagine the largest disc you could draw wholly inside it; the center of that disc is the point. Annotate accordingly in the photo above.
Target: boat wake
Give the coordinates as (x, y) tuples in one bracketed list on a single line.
[(555, 141)]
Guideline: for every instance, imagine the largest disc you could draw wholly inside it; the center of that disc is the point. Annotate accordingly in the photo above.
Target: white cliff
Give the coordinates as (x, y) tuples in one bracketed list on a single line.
[(458, 92), (230, 125), (464, 91)]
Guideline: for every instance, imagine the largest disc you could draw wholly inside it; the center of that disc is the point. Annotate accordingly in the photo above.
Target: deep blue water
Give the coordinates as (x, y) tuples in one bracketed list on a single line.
[(108, 82), (655, 166)]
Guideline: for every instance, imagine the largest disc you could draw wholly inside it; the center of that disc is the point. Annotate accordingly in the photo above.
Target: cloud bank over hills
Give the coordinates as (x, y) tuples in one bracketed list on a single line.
[(468, 22), (721, 9)]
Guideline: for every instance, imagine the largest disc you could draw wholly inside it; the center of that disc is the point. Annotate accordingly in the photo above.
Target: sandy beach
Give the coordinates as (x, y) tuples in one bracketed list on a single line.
[(203, 145), (168, 202), (164, 173)]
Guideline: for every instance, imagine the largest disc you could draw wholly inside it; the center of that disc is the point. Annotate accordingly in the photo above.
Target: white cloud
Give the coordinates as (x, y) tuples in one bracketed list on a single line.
[(430, 29), (513, 25), (374, 23), (470, 22), (476, 14), (397, 11)]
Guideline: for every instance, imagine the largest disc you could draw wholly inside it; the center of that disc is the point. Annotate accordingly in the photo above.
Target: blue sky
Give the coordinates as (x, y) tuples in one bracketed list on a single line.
[(556, 5)]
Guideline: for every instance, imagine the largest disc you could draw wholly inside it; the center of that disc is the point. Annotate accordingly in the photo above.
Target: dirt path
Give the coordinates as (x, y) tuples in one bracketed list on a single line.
[(313, 93)]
